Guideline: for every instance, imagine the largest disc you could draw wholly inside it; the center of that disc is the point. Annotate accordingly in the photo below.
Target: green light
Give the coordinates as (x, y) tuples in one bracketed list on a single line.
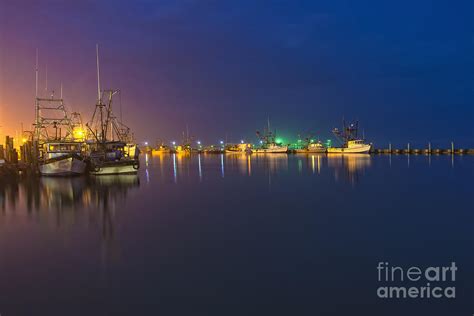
[(279, 140)]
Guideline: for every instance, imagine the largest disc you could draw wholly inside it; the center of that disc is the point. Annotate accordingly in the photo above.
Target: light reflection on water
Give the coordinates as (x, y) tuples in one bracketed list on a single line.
[(258, 226), (186, 165), (106, 192)]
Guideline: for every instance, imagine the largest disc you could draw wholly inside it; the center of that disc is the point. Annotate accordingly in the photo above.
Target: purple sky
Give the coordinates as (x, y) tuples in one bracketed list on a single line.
[(404, 69)]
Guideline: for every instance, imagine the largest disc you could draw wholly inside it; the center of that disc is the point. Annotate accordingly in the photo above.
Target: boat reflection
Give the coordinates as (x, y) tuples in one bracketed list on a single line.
[(187, 166), (78, 194), (350, 166)]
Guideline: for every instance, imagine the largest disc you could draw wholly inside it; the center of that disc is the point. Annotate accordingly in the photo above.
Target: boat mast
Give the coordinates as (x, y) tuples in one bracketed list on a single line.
[(98, 72), (37, 114)]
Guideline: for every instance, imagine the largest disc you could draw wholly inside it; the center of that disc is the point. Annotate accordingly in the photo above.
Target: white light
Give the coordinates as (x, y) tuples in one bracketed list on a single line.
[(261, 142), (146, 143), (174, 143), (222, 142), (199, 143), (241, 141)]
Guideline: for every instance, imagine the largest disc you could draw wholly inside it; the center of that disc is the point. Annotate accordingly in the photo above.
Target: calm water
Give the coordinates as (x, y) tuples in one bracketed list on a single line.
[(237, 235)]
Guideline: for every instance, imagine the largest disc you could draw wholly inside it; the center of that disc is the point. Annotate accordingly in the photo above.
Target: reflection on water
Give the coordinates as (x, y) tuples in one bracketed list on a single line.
[(63, 202), (190, 225), (75, 193), (67, 199), (107, 192), (350, 166), (188, 166)]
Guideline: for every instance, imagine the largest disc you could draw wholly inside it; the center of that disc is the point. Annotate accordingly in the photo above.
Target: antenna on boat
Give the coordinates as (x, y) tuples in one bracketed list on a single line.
[(46, 85), (98, 72), (37, 119), (36, 74), (61, 90)]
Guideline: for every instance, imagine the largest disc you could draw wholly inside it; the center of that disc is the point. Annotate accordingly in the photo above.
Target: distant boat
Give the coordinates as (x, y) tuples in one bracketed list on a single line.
[(313, 148), (268, 142), (238, 148), (351, 143), (213, 149), (271, 148), (161, 149)]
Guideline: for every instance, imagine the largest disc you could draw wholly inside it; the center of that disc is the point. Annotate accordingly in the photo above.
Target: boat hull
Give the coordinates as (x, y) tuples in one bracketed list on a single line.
[(62, 166), (114, 167), (311, 151), (231, 151), (278, 150), (159, 152), (362, 149)]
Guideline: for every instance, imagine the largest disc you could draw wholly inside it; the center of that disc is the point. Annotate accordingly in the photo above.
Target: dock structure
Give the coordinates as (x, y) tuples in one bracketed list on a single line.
[(452, 150)]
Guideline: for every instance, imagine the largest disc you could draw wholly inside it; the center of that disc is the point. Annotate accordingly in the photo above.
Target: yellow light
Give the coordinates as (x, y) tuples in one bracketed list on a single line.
[(78, 133), (24, 140)]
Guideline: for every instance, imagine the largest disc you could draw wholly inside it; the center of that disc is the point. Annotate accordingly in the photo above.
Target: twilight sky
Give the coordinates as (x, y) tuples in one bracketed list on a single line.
[(405, 69)]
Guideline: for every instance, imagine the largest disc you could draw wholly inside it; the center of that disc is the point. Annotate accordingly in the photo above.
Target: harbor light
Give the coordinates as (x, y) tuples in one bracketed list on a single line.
[(174, 143), (146, 143), (241, 141), (222, 142), (198, 142), (78, 133), (261, 142)]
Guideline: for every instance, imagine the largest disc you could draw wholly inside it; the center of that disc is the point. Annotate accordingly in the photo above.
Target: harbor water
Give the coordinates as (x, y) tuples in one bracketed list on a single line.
[(237, 234)]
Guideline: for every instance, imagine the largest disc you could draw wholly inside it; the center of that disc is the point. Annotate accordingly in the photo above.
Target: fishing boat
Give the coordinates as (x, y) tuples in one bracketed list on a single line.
[(161, 149), (61, 158), (271, 148), (311, 147), (110, 143), (213, 149), (186, 146), (351, 143), (268, 143), (58, 135)]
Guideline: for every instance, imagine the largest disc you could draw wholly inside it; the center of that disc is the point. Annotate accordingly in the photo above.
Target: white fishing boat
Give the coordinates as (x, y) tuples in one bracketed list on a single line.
[(271, 148), (110, 142), (59, 136), (351, 143), (115, 167), (113, 157), (356, 146), (62, 159)]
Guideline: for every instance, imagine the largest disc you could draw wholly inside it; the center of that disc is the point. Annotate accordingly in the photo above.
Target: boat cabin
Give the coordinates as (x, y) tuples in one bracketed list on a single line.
[(58, 149)]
